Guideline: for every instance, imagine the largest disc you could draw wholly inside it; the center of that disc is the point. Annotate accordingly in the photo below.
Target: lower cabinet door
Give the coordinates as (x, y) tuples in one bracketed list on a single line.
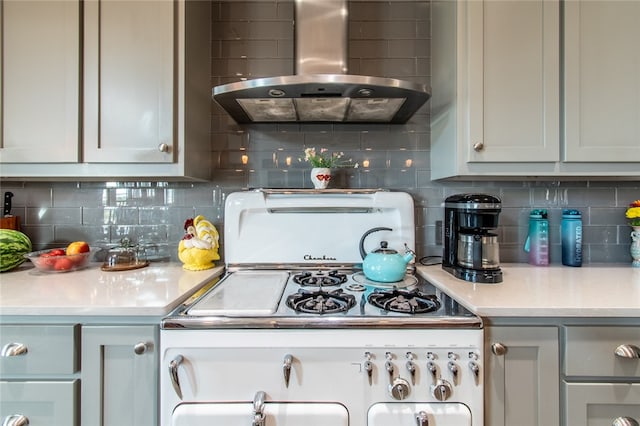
[(119, 375), (412, 414), (39, 403), (601, 404), (275, 413)]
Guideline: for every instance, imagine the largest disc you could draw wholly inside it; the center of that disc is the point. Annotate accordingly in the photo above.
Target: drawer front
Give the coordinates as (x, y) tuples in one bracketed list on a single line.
[(41, 403), (35, 349), (591, 351), (600, 404)]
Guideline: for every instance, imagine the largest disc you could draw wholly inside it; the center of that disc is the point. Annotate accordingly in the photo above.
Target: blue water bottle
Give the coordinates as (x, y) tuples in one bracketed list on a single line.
[(537, 244), (571, 236)]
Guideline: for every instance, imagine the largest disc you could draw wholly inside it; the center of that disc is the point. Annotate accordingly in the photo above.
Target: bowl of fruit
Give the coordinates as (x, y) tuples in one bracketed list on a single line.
[(71, 258)]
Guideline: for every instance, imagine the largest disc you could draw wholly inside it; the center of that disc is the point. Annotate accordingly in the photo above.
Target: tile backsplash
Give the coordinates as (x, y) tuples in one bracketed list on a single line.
[(252, 39)]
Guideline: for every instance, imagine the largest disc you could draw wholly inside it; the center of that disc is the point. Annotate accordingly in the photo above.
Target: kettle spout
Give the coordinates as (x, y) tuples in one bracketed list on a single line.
[(409, 254)]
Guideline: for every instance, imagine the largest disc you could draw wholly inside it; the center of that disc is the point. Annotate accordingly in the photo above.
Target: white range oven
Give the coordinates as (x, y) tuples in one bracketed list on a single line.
[(294, 334)]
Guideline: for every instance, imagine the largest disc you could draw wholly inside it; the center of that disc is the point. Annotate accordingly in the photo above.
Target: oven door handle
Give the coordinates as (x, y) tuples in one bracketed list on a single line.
[(173, 374), (258, 408), (422, 419)]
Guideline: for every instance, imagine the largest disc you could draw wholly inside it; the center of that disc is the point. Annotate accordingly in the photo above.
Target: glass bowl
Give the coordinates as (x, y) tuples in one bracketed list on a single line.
[(47, 262)]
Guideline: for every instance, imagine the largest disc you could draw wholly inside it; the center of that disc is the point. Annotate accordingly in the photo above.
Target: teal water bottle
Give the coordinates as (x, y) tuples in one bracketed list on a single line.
[(571, 236), (537, 244)]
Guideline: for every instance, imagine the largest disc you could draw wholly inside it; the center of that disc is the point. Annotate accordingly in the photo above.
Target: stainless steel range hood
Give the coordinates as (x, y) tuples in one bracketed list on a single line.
[(321, 91)]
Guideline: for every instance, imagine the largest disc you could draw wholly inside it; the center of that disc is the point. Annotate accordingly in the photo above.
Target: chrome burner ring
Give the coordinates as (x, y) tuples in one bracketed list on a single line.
[(320, 302), (402, 301)]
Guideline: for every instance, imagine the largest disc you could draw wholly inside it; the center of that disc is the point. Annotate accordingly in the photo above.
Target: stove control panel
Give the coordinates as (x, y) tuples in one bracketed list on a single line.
[(442, 371)]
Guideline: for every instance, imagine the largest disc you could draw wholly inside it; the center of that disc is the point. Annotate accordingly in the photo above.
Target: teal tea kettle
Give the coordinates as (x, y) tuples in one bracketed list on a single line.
[(384, 264)]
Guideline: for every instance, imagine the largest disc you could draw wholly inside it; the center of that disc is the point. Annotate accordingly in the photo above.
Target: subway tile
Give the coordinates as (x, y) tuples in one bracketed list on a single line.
[(248, 10), (607, 216), (592, 234), (383, 30), (91, 234), (626, 195), (66, 196), (370, 49), (512, 197), (581, 197), (33, 195), (53, 216), (249, 48)]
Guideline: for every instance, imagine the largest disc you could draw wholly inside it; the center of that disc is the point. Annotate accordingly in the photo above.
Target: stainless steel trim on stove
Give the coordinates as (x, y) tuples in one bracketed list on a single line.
[(318, 322), (296, 267), (327, 210), (321, 191)]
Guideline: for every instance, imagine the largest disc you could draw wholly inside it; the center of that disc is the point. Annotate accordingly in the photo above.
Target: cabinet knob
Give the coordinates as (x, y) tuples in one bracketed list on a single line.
[(163, 147), (13, 349), (628, 351), (478, 146), (15, 420), (140, 348), (498, 349), (625, 421)]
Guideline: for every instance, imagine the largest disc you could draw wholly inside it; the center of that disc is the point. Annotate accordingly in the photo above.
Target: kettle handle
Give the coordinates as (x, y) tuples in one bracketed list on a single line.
[(363, 253)]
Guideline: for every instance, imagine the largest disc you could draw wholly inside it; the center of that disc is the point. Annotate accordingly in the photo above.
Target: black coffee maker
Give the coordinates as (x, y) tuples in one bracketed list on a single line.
[(471, 251)]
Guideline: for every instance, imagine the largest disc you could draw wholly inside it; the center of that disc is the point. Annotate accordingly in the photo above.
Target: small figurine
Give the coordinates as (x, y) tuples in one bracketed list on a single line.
[(199, 246)]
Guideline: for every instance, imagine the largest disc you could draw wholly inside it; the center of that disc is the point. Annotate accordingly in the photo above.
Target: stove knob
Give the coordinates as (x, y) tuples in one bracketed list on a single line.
[(442, 390), (399, 389)]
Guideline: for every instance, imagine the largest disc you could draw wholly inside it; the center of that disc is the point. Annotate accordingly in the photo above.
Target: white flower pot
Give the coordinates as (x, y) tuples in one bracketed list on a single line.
[(320, 176)]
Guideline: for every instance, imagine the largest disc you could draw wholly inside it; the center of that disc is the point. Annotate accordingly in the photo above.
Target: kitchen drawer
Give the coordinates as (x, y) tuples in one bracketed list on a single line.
[(49, 350), (590, 351), (43, 403), (600, 404)]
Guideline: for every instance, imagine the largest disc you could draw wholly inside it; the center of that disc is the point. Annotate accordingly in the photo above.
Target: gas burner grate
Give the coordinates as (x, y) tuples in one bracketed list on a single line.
[(321, 302), (320, 279), (402, 301)]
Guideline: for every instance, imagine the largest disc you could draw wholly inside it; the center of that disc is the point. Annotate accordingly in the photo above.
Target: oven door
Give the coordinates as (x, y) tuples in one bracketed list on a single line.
[(416, 414), (274, 413)]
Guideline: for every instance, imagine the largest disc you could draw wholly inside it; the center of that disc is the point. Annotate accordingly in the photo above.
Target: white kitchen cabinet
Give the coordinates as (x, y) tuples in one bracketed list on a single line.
[(497, 79), (522, 376), (40, 81), (119, 375), (146, 95), (602, 81)]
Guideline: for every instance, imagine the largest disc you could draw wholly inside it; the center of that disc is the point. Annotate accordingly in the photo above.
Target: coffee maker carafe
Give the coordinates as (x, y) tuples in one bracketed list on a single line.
[(471, 251)]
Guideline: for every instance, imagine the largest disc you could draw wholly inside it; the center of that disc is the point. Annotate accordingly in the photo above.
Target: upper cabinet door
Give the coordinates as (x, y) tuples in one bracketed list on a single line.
[(513, 68), (602, 81), (129, 81), (40, 81)]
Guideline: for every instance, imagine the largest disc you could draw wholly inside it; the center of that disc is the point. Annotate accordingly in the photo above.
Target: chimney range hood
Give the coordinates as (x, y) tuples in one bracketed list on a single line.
[(321, 91)]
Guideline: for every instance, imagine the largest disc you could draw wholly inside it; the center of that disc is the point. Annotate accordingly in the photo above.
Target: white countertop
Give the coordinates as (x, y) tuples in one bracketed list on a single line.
[(153, 290), (553, 291)]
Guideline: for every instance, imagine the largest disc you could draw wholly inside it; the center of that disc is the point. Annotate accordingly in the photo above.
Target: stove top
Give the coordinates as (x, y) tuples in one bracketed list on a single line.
[(320, 299)]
